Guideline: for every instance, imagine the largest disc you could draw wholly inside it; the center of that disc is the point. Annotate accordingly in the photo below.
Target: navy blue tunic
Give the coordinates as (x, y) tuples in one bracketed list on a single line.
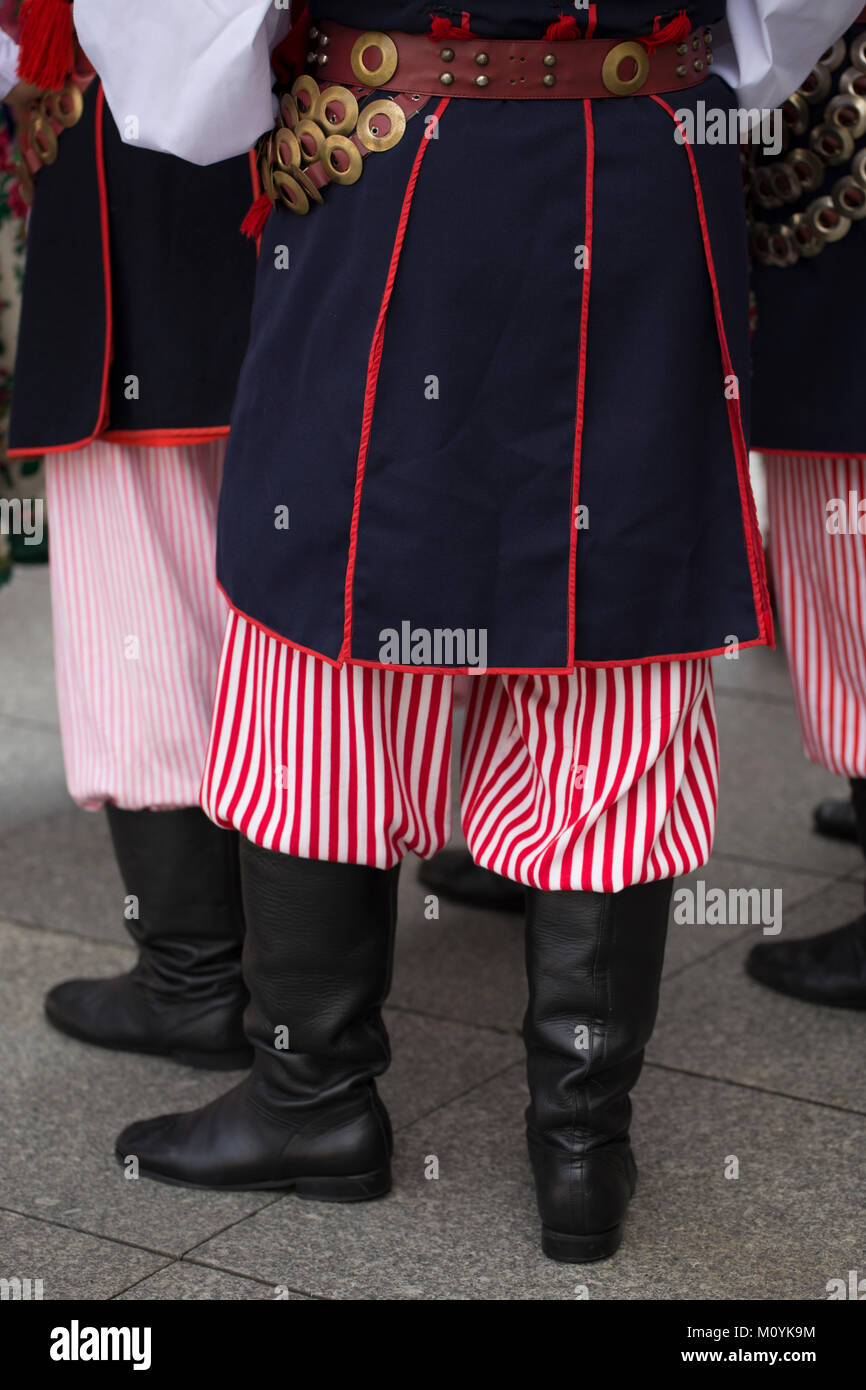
[(428, 471), (808, 374), (136, 268)]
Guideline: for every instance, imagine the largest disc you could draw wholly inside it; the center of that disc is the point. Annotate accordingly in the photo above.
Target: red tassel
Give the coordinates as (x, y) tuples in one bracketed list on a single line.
[(441, 28), (674, 32), (46, 57), (566, 27), (254, 223)]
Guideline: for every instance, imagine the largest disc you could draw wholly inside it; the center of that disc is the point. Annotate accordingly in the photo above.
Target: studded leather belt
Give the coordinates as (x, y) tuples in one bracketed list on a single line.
[(531, 70)]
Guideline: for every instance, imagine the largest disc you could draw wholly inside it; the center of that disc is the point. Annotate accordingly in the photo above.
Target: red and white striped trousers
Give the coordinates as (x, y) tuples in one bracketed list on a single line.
[(138, 618), (594, 780), (820, 581)]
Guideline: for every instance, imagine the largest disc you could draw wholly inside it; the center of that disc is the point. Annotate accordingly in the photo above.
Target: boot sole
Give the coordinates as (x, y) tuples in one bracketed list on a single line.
[(570, 1249), (359, 1187), (238, 1060)]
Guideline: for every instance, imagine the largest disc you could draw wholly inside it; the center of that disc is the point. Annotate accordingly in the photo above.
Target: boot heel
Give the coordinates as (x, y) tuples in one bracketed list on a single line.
[(580, 1249), (240, 1059), (361, 1188)]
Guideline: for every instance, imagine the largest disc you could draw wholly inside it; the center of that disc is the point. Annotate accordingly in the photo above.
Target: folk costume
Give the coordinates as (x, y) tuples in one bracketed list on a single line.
[(135, 311), (808, 210), (490, 421)]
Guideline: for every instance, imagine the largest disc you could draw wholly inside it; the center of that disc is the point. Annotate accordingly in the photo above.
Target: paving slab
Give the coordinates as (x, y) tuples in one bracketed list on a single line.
[(65, 1102), (59, 872), (768, 790), (27, 692), (69, 1263), (780, 1230), (757, 672), (717, 1021)]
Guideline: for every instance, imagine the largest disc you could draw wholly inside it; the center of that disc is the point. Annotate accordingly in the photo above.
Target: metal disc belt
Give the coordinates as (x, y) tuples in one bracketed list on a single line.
[(329, 124)]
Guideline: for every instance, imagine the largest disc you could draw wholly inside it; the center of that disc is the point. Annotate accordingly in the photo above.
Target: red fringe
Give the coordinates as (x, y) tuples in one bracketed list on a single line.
[(254, 223), (46, 57), (674, 32), (441, 28), (566, 27)]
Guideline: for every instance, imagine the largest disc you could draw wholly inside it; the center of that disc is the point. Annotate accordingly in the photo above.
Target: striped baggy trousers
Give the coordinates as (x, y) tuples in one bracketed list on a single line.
[(138, 618), (593, 780), (819, 571)]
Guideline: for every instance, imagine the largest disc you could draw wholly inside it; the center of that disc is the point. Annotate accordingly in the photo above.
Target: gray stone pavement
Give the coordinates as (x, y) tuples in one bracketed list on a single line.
[(733, 1071)]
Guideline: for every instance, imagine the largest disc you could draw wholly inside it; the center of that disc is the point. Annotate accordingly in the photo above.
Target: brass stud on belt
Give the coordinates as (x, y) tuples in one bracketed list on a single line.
[(708, 36), (324, 40), (710, 60), (696, 43), (698, 65), (549, 60), (446, 54), (681, 49), (681, 70), (482, 59), (322, 59), (314, 33), (447, 78), (482, 80), (549, 80)]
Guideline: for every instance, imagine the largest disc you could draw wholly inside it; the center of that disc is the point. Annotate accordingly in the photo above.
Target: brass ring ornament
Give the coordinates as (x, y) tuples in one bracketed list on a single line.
[(795, 114), (290, 192), (785, 181), (308, 186), (342, 159), (382, 125), (853, 80), (849, 198), (832, 143), (848, 111), (835, 55), (42, 139), (858, 168), (66, 105), (857, 52), (265, 160), (289, 113), (305, 91), (24, 177), (817, 85), (783, 247), (311, 138), (336, 110), (808, 168), (829, 223), (382, 44), (287, 150), (807, 240), (610, 74)]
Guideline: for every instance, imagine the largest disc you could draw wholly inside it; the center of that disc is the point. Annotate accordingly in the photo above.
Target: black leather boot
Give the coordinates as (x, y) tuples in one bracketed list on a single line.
[(185, 997), (454, 875), (835, 819), (317, 963), (825, 969), (594, 963)]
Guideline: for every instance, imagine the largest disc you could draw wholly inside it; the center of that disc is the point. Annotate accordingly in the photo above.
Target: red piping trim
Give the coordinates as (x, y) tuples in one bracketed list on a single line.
[(805, 453), (151, 439), (581, 374), (760, 595), (109, 325), (373, 364), (490, 670)]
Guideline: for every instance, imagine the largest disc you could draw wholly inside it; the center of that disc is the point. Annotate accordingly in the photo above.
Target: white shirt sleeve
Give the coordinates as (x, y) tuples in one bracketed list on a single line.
[(8, 64), (773, 44), (186, 77)]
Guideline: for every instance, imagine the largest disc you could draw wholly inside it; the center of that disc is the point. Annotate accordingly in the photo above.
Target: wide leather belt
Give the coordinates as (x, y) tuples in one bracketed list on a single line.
[(528, 70)]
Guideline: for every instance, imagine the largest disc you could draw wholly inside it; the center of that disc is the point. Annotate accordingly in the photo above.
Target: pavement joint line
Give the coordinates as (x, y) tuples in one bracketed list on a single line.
[(725, 855), (83, 1231), (496, 1028), (460, 1095), (272, 1201), (254, 1278), (168, 1264), (752, 1086), (124, 945)]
